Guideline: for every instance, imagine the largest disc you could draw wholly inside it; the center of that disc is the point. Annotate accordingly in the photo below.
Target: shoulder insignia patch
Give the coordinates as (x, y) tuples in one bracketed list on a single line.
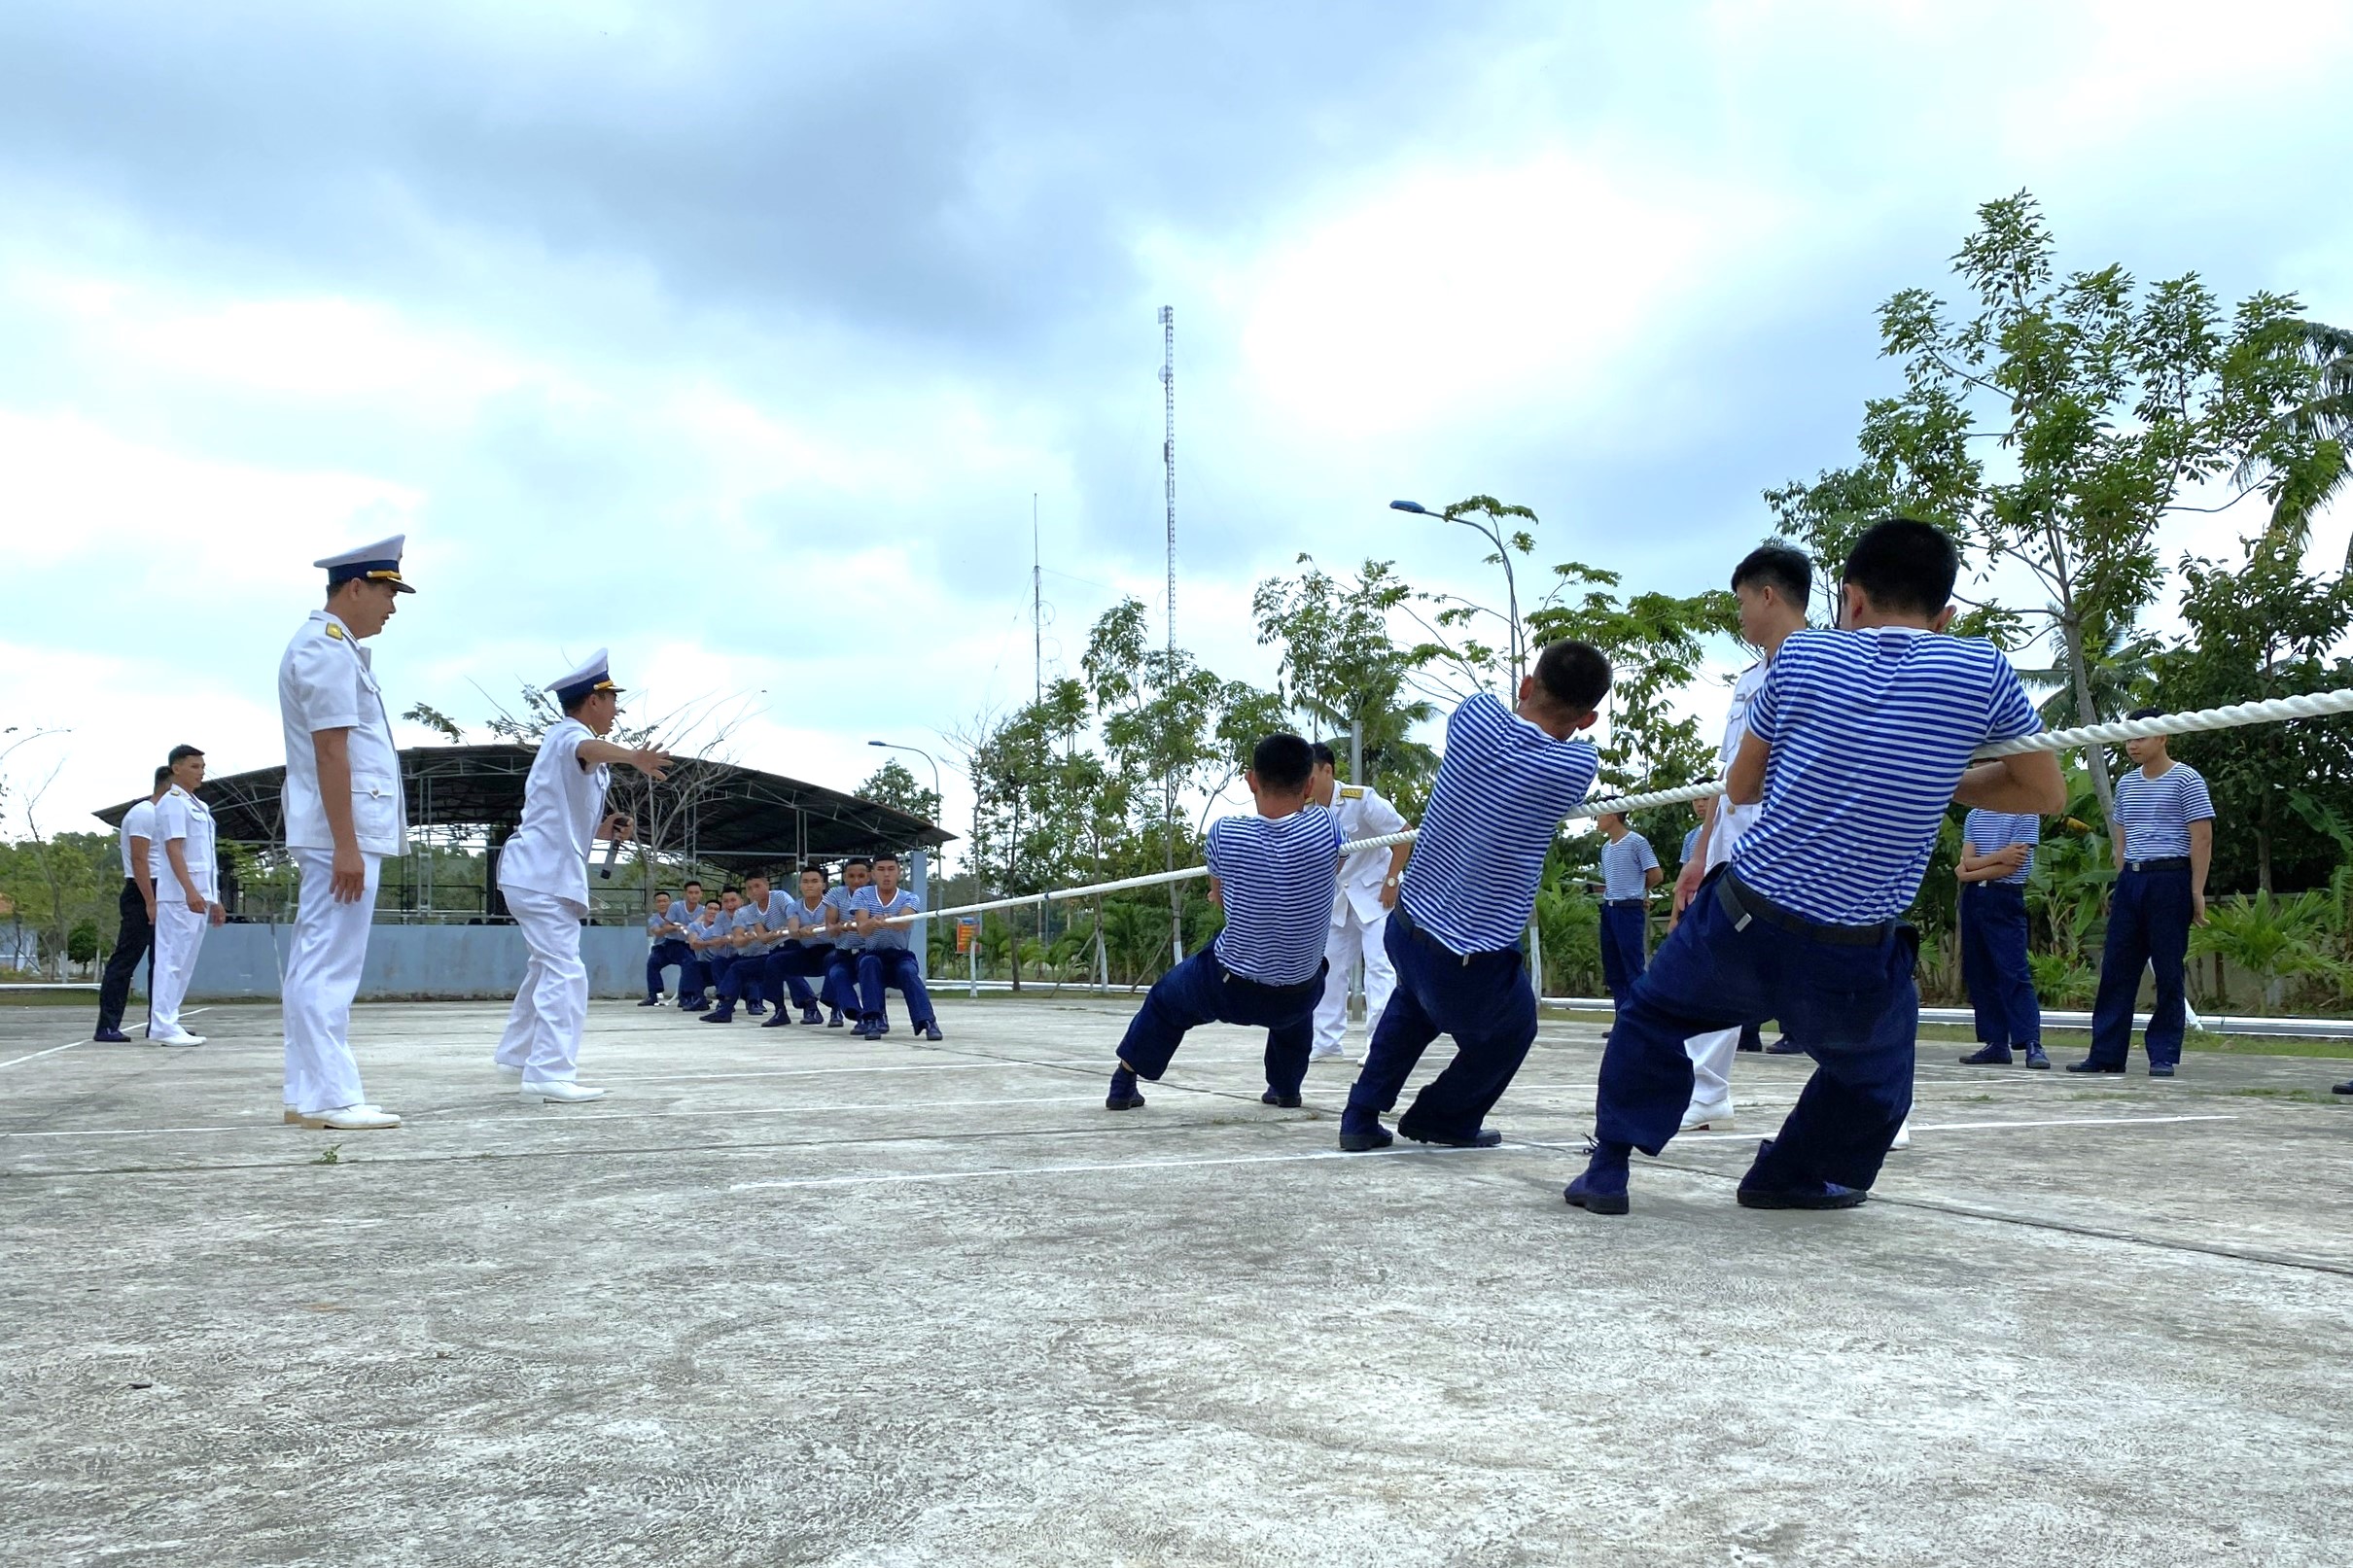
[(334, 631), (1351, 792)]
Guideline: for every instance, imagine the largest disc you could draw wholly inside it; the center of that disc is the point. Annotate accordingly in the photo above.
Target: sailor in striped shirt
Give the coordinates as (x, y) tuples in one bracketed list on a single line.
[(1276, 875), (1504, 784), (1630, 870), (1997, 852), (1856, 741), (2163, 837)]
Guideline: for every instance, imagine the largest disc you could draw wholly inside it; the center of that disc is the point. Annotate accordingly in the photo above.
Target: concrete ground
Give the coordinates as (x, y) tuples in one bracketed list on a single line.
[(789, 1297)]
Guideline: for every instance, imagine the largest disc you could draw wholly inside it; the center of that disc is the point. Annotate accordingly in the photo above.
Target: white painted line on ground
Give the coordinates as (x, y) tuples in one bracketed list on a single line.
[(1919, 1128), (791, 1072), (527, 1116), (900, 1177), (51, 1052)]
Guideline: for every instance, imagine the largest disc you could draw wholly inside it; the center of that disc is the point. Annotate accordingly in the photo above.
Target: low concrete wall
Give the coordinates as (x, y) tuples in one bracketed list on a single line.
[(406, 962)]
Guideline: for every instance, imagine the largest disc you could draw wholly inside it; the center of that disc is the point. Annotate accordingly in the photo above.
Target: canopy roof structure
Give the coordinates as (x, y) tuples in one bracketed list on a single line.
[(711, 811)]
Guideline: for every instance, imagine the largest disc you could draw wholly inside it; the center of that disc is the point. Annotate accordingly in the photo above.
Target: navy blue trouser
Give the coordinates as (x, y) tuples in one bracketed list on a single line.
[(1854, 1009), (1484, 1002), (1622, 957), (896, 968), (742, 975), (1993, 964), (2148, 925), (132, 941), (663, 954), (791, 968), (693, 975), (1203, 991), (716, 965), (841, 979)]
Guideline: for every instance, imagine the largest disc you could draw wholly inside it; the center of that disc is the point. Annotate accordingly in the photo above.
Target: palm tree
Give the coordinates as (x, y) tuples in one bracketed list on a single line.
[(2117, 669), (2305, 460)]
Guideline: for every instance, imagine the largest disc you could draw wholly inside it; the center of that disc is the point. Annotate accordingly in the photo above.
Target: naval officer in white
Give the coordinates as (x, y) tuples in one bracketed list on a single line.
[(344, 812), (1367, 893), (544, 872), (184, 863)]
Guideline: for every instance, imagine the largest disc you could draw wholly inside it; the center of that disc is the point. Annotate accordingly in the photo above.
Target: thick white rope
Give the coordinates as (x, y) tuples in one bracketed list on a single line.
[(2277, 709)]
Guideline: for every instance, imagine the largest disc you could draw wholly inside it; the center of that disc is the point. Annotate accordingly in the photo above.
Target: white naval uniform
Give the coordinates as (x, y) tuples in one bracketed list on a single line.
[(179, 930), (1711, 1053), (325, 682), (544, 872), (1359, 922)]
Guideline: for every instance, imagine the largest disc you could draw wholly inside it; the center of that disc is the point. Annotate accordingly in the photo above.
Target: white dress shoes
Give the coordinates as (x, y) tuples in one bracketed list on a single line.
[(556, 1092), (176, 1038), (1903, 1135), (1714, 1118), (351, 1119)]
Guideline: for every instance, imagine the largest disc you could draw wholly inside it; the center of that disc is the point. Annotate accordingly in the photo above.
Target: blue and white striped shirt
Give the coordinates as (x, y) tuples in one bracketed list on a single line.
[(891, 938), (1622, 864), (1503, 787), (839, 898), (2157, 813), (1987, 832), (1870, 732), (1278, 876)]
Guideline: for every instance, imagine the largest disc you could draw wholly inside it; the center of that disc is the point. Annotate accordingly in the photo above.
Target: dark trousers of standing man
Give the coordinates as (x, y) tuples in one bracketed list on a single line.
[(133, 943), (1622, 940), (1203, 991), (2148, 926), (1844, 994), (1482, 1001), (1994, 967)]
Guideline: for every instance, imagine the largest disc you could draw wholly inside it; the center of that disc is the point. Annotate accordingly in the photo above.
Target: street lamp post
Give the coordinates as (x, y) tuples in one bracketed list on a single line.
[(939, 795), (1492, 532)]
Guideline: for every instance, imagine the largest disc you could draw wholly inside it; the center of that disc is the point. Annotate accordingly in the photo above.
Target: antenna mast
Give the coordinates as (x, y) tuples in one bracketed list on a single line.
[(1167, 452), (1038, 612)]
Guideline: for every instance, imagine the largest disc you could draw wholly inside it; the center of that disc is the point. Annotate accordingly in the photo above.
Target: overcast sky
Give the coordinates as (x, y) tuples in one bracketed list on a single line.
[(738, 338)]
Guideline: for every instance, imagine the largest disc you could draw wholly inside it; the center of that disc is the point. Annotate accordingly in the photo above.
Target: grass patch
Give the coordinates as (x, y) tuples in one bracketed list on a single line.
[(2294, 1096)]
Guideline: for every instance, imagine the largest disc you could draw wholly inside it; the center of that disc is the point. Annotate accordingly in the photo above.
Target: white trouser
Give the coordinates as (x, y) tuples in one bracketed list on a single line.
[(322, 976), (543, 1027), (179, 934), (1350, 938), (1711, 1056)]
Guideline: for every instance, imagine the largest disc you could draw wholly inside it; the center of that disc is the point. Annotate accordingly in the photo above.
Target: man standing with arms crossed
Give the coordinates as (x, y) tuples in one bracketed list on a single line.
[(1368, 891), (1772, 584), (346, 811), (136, 936)]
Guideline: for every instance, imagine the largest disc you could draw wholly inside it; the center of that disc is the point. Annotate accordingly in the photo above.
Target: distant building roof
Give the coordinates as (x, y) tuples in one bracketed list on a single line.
[(707, 811)]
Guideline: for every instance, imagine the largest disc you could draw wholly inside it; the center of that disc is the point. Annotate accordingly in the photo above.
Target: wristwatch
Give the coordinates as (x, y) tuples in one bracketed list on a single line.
[(1390, 882)]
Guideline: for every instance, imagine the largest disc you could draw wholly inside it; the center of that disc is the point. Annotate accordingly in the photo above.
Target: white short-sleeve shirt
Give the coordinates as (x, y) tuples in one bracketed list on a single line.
[(325, 682), (180, 815), (138, 822), (1362, 813), (563, 802)]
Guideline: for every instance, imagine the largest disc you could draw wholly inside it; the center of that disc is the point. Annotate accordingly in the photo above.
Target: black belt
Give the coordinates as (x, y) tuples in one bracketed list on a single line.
[(1745, 903), (1625, 903), (2163, 862), (1405, 923)]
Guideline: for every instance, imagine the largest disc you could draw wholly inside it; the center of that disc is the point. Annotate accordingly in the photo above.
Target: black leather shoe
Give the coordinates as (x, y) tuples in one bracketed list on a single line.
[(1486, 1137), (1123, 1095), (2036, 1059), (778, 1022), (110, 1037), (1992, 1056), (719, 1015), (2090, 1065), (2345, 1088), (2161, 1069), (650, 1002), (1365, 1142), (1288, 1102), (1782, 1048), (931, 1031), (1826, 1195), (1579, 1196)]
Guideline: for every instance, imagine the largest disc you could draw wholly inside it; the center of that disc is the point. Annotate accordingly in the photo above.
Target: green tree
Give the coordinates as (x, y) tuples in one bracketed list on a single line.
[(2267, 629), (893, 786), (2106, 400), (1339, 667), (1458, 657)]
